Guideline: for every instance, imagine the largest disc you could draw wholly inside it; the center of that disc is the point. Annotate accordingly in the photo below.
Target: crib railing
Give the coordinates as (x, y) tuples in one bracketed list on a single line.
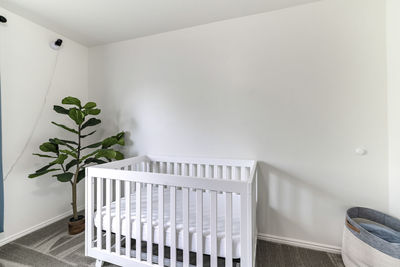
[(116, 181)]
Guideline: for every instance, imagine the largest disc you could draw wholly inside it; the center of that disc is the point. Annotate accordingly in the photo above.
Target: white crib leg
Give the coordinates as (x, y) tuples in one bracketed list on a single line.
[(99, 263)]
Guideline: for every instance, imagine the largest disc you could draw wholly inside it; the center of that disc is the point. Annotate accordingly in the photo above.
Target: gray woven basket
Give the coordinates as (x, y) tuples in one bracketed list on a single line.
[(362, 248)]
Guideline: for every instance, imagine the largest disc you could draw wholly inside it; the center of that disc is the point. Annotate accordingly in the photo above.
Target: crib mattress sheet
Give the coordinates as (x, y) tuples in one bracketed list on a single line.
[(179, 220)]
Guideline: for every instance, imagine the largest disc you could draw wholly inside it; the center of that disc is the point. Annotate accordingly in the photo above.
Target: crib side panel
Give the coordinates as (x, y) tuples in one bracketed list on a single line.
[(104, 185)]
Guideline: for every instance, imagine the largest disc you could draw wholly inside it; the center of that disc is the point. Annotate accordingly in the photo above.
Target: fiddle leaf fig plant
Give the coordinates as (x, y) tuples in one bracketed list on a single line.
[(68, 158)]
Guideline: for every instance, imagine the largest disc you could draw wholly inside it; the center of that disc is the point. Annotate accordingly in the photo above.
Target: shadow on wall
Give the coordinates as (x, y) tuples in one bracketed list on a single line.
[(121, 122), (293, 207), (48, 185)]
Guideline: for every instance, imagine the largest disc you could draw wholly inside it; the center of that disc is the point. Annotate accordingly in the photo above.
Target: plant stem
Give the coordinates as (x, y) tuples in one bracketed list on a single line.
[(74, 208)]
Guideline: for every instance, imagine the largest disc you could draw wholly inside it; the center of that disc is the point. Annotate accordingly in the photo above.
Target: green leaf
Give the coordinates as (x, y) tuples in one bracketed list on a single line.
[(121, 138), (71, 164), (86, 135), (89, 155), (92, 145), (69, 142), (44, 168), (110, 141), (36, 174), (49, 147), (121, 141), (91, 122), (60, 109), (61, 142), (64, 177), (94, 160), (94, 111), (65, 127), (60, 160), (71, 101), (90, 105), (81, 175), (119, 155), (73, 154), (54, 141), (76, 115), (120, 135), (44, 156), (106, 153)]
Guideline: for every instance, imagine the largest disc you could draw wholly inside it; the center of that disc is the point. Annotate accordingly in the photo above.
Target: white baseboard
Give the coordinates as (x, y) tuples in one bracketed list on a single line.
[(36, 227), (299, 243)]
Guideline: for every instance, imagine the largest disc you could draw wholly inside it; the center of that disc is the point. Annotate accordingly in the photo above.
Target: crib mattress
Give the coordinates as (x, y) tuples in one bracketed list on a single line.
[(179, 220)]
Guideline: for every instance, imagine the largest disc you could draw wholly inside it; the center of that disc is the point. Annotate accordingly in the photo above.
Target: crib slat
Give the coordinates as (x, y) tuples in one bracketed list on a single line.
[(185, 213), (234, 173), (138, 229), (185, 169), (128, 222), (175, 168), (90, 210), (161, 225), (244, 246), (108, 215), (173, 225), (243, 174), (118, 216), (213, 228), (149, 224), (199, 227), (198, 167), (191, 170), (208, 171), (228, 229), (168, 168), (99, 211), (143, 166), (224, 172)]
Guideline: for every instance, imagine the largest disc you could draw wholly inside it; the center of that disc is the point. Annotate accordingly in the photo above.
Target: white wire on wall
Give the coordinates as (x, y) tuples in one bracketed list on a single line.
[(36, 123)]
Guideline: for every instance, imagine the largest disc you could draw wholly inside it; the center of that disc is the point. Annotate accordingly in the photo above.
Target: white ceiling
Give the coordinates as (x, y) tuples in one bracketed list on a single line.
[(95, 22)]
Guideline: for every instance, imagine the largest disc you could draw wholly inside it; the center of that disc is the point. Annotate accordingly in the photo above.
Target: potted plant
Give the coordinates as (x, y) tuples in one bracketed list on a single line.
[(70, 157)]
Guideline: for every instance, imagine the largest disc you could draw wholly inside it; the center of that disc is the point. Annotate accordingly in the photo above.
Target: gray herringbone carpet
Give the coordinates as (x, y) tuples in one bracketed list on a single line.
[(53, 247)]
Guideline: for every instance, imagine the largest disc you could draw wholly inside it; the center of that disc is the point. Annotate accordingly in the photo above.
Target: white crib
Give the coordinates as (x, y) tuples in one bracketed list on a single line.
[(188, 208)]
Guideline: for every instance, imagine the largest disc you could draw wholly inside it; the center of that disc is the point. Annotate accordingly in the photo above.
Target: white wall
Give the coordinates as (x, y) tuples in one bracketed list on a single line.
[(297, 89), (27, 63), (393, 60)]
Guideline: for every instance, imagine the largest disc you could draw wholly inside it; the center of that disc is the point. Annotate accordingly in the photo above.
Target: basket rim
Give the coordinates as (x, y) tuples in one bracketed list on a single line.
[(391, 249)]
